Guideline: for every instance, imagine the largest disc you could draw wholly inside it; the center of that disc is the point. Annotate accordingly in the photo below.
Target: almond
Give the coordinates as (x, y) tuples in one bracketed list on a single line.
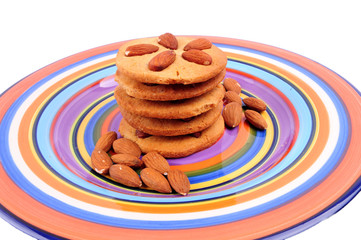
[(156, 161), (105, 141), (155, 180), (168, 40), (187, 119), (141, 134), (232, 114), (200, 44), (231, 96), (140, 49), (179, 181), (255, 119), (196, 134), (232, 85), (125, 175), (127, 159), (255, 104), (161, 61), (197, 56), (101, 161), (123, 145)]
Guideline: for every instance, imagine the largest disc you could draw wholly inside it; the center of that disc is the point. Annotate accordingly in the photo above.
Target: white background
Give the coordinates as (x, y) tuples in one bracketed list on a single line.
[(36, 33)]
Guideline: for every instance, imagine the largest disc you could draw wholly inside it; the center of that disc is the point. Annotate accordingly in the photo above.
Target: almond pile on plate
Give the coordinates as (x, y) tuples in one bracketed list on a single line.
[(233, 113), (121, 166)]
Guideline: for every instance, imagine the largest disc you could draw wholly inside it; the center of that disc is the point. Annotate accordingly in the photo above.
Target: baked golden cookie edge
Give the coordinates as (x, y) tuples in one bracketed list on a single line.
[(172, 127), (180, 109), (162, 92), (175, 146)]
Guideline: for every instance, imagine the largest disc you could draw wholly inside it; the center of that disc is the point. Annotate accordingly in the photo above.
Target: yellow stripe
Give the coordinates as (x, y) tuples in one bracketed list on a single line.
[(260, 155), (31, 127), (252, 163), (317, 124), (36, 114), (80, 137), (81, 130)]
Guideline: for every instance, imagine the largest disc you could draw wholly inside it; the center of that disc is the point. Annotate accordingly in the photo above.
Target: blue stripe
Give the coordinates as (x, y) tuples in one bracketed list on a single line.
[(50, 201), (52, 108)]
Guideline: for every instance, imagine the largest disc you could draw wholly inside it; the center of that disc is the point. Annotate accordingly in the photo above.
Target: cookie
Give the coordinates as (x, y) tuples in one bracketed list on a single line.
[(176, 146), (172, 127), (179, 109), (161, 92), (181, 71)]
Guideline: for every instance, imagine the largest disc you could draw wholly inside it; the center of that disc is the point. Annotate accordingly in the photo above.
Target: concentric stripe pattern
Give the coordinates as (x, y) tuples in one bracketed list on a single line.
[(303, 168)]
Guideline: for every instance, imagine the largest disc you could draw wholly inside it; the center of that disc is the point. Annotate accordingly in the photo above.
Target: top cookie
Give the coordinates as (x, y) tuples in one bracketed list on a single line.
[(149, 61)]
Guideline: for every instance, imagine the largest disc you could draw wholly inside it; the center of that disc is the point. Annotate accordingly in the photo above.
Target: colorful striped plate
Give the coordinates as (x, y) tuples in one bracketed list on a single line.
[(250, 185)]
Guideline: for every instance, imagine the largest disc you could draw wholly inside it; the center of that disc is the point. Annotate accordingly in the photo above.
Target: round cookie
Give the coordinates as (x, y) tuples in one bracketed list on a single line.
[(172, 127), (176, 146), (180, 71), (161, 92), (179, 109)]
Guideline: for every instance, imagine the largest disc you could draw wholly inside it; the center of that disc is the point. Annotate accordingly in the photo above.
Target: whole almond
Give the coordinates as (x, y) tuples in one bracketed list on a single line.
[(156, 161), (105, 141), (231, 96), (179, 181), (140, 49), (255, 104), (168, 40), (101, 161), (127, 159), (125, 175), (155, 180), (197, 56), (162, 61), (232, 114), (199, 43), (123, 145), (232, 85), (255, 119)]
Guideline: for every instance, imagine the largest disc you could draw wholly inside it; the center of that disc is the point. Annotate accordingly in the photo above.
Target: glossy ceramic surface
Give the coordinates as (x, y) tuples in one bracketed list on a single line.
[(251, 184)]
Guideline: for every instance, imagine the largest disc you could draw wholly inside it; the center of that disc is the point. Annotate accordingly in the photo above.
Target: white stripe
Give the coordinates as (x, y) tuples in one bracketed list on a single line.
[(43, 186)]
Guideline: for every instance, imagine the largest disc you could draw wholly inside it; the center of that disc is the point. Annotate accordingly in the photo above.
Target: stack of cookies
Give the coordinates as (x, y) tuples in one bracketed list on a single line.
[(170, 94)]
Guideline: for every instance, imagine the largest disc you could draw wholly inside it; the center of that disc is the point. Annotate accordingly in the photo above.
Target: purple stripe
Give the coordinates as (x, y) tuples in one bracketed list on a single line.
[(280, 108), (285, 122), (62, 129), (70, 113)]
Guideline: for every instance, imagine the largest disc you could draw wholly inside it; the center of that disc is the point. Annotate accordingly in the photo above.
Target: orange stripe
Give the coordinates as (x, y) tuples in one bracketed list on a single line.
[(187, 208), (255, 227), (289, 104)]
